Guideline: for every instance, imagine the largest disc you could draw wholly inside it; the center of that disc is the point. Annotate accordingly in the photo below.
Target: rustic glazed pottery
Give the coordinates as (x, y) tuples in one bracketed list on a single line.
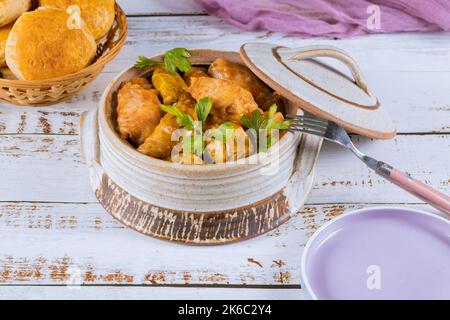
[(319, 88), (209, 204)]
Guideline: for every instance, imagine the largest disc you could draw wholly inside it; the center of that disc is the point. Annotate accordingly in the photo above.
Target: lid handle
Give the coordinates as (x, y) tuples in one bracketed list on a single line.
[(332, 52)]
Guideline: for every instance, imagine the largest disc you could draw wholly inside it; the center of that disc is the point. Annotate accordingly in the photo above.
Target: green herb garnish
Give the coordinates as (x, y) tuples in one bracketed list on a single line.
[(274, 125), (185, 120), (144, 62), (171, 110), (255, 121), (192, 143), (260, 123), (175, 59), (203, 108)]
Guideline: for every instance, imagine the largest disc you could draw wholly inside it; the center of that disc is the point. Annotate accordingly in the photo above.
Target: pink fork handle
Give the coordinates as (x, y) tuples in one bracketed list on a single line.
[(419, 189)]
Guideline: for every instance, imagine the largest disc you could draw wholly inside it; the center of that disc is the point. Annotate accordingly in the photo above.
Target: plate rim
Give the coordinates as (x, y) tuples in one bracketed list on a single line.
[(303, 275)]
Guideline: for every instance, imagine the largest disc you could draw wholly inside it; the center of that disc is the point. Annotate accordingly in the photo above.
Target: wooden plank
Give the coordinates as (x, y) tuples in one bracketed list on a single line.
[(58, 244), (158, 7), (52, 163), (146, 293), (411, 86), (342, 177), (50, 168)]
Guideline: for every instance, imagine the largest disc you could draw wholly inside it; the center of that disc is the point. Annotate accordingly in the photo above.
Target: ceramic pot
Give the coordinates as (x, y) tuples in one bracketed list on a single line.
[(195, 204)]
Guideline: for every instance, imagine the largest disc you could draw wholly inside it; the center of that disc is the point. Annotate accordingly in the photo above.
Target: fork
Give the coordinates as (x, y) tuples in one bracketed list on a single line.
[(335, 133)]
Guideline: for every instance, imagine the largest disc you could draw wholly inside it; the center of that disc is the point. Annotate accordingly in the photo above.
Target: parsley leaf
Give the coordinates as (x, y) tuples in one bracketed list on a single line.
[(171, 110), (144, 62), (184, 120), (272, 124), (175, 59), (203, 108), (192, 141), (258, 123), (187, 122), (255, 121)]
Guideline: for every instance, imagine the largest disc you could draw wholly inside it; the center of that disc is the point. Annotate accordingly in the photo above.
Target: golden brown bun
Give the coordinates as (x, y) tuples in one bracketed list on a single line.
[(41, 45), (98, 14), (10, 10), (4, 33)]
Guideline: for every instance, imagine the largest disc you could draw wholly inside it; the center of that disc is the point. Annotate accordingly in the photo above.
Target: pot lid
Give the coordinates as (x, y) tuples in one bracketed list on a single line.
[(319, 88)]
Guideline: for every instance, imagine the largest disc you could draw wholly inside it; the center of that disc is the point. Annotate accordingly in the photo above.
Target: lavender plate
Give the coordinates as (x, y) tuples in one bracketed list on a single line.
[(379, 253)]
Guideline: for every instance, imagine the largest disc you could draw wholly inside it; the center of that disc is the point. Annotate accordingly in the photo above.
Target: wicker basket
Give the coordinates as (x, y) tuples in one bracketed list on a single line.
[(46, 92)]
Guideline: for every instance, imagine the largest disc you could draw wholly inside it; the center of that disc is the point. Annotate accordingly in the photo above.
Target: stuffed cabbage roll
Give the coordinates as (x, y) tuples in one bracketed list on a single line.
[(143, 82), (159, 144), (138, 111), (242, 76), (195, 72), (230, 101), (169, 85)]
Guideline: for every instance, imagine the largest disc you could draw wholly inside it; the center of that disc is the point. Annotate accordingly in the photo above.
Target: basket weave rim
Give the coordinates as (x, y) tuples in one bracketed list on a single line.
[(120, 15)]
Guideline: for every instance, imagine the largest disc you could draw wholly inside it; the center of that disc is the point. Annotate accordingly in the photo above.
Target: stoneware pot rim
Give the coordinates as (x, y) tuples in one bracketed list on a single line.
[(114, 137)]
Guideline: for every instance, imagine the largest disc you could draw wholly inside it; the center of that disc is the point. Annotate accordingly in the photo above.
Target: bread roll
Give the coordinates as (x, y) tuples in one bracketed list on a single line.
[(4, 33), (98, 14), (10, 10), (42, 46)]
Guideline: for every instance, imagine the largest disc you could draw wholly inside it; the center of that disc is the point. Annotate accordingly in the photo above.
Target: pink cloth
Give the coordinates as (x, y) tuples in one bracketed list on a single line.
[(332, 18)]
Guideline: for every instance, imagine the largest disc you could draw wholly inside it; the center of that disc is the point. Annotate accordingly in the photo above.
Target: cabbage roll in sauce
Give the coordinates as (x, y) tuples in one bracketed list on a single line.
[(195, 72), (230, 101), (243, 77), (169, 85), (143, 82), (213, 105), (159, 144), (138, 111)]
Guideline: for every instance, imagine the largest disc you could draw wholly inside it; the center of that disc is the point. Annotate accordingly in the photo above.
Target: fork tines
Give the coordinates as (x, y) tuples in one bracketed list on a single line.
[(308, 124)]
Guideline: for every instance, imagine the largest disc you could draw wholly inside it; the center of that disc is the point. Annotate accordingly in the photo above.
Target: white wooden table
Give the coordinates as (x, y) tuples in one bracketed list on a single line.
[(51, 225)]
